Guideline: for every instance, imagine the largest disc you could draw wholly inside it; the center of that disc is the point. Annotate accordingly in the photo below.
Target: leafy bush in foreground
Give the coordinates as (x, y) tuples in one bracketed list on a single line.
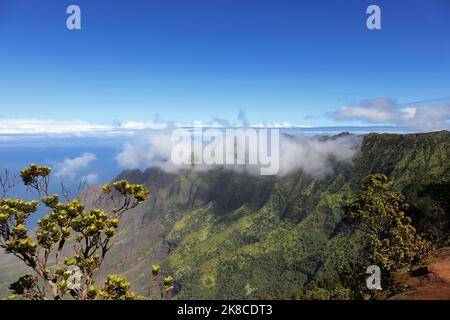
[(90, 233)]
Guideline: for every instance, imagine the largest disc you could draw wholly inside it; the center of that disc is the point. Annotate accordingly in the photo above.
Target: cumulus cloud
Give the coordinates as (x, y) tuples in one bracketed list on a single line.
[(314, 155), (148, 148), (70, 168), (423, 117)]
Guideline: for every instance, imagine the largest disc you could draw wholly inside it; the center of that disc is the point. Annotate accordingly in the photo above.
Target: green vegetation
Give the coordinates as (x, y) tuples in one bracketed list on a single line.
[(394, 243), (90, 232), (227, 234), (288, 234)]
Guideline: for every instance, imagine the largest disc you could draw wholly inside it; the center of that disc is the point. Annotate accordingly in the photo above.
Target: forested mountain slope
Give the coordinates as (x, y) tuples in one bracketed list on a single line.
[(227, 234)]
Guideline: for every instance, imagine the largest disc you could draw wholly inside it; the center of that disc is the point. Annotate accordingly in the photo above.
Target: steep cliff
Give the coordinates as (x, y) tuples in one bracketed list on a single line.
[(229, 234)]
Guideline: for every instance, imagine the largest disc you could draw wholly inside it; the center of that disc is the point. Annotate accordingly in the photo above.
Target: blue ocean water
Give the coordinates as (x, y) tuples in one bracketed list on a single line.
[(19, 151)]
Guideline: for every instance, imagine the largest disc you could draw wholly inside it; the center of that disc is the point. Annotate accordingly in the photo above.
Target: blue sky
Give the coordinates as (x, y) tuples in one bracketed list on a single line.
[(278, 61)]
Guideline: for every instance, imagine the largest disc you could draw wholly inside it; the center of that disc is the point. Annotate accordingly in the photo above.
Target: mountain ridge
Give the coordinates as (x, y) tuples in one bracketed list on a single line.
[(214, 221), (227, 234)]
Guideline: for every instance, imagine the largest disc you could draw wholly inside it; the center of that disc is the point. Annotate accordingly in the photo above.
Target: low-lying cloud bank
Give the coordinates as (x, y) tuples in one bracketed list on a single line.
[(314, 155), (73, 127), (422, 117), (85, 128)]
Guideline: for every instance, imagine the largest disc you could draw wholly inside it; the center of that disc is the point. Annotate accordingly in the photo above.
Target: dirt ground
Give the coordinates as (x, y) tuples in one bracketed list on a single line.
[(428, 282)]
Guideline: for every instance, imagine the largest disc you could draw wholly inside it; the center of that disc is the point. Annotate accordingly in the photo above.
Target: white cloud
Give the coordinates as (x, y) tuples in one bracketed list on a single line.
[(69, 168), (149, 148), (47, 126), (139, 125), (75, 127), (90, 178), (386, 111), (312, 154)]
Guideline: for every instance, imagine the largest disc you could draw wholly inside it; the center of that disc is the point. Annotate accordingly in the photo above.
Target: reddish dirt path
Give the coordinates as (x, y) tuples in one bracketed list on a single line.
[(433, 281)]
